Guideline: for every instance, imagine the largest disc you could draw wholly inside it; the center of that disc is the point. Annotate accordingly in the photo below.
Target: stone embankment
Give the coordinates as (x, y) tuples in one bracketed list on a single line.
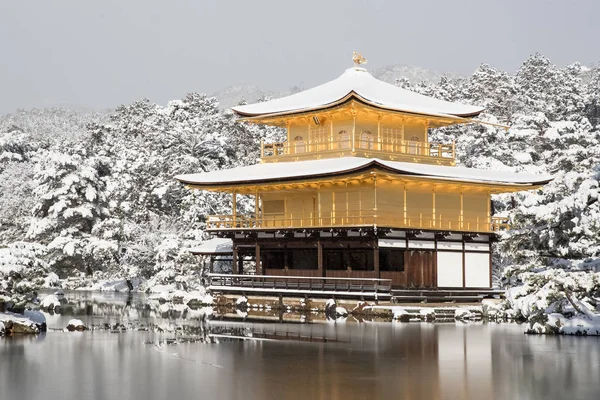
[(335, 309)]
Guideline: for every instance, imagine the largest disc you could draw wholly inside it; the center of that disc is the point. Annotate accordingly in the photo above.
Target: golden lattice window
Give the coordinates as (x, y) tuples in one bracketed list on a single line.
[(343, 140), (366, 140), (299, 145)]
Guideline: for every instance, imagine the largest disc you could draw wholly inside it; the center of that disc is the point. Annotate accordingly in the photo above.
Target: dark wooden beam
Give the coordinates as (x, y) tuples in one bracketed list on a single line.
[(376, 257), (259, 269), (234, 261), (320, 258)]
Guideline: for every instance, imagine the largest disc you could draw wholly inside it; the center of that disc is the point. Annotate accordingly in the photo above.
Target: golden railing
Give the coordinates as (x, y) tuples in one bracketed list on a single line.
[(357, 218), (406, 147)]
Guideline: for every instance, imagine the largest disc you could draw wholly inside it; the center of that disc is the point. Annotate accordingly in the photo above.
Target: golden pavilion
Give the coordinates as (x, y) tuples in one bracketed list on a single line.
[(357, 191)]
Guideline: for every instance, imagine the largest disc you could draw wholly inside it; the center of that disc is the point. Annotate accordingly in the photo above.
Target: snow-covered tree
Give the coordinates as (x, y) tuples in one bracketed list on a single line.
[(71, 202)]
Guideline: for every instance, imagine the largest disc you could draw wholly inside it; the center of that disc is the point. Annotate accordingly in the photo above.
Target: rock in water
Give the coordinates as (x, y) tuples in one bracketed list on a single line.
[(16, 324), (76, 325), (50, 303), (38, 318), (341, 312), (330, 309)]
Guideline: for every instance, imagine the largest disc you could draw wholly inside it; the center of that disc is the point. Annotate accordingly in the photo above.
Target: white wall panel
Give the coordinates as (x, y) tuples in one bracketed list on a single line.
[(477, 246), (421, 244), (449, 269), (477, 270), (392, 243), (449, 245)]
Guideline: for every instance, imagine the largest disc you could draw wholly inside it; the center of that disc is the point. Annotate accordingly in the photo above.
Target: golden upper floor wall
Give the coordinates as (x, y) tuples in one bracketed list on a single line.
[(368, 203), (356, 130)]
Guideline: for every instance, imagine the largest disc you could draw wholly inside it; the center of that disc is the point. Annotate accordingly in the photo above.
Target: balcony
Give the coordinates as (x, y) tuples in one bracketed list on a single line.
[(395, 150), (353, 219)]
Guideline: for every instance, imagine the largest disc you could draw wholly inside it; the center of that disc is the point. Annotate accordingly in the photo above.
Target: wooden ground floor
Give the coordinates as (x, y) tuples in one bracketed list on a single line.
[(409, 259)]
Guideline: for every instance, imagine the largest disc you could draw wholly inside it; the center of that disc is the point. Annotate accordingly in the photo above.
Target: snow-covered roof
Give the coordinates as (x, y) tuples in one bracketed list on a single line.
[(293, 171), (358, 83), (214, 246)]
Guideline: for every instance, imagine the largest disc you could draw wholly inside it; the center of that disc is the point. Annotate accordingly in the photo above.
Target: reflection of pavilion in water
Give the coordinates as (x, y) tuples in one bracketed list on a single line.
[(409, 361)]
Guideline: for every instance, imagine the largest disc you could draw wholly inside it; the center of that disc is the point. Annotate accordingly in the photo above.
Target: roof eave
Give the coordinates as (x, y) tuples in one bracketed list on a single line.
[(362, 168), (352, 95)]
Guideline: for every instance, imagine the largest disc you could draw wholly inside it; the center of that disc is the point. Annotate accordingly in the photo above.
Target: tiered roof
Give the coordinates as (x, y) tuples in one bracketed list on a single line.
[(356, 83), (338, 167)]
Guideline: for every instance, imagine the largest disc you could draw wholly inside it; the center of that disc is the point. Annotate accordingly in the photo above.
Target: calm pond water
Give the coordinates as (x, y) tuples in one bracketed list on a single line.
[(246, 360)]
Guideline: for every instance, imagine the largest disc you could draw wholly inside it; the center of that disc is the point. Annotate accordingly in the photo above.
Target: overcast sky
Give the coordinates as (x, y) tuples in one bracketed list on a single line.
[(100, 54)]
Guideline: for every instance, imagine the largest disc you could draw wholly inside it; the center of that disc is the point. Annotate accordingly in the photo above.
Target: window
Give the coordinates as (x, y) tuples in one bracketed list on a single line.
[(413, 145), (279, 258), (343, 140), (299, 145), (391, 260), (342, 259), (303, 259), (272, 258), (334, 259), (366, 140)]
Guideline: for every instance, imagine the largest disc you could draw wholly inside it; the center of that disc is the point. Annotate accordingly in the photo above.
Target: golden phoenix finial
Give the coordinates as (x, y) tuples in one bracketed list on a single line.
[(358, 59)]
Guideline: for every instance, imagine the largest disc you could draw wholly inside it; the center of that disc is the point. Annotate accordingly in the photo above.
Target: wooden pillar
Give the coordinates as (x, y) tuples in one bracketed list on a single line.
[(433, 200), (320, 258), (376, 257), (402, 142), (490, 247), (379, 141), (405, 207), (234, 261), (308, 137), (347, 211), (375, 199), (461, 222), (332, 208), (353, 130), (211, 268), (319, 217), (331, 135), (360, 208), (488, 221), (234, 207), (259, 269), (464, 273)]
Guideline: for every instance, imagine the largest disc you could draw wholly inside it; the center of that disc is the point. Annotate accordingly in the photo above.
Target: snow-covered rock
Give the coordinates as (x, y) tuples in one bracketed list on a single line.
[(463, 314), (241, 303), (16, 324), (50, 302), (400, 314), (427, 314), (76, 325), (36, 317), (341, 312)]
